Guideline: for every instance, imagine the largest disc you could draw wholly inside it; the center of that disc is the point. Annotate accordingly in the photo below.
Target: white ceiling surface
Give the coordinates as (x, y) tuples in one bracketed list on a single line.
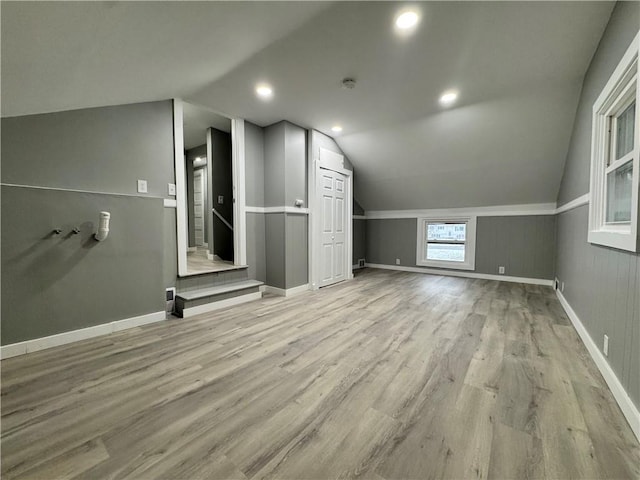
[(518, 67)]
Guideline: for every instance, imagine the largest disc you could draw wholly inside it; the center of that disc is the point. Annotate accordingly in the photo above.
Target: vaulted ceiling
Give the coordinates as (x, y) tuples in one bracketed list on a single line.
[(518, 67)]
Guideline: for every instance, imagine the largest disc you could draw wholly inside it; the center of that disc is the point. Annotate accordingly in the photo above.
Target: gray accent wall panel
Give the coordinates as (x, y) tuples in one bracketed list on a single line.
[(296, 250), (622, 28), (359, 240), (170, 263), (524, 245), (254, 164), (295, 164), (275, 250), (97, 149), (602, 285), (256, 252), (274, 165), (57, 283)]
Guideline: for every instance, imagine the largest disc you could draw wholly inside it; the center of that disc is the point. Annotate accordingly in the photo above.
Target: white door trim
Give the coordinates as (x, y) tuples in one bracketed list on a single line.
[(239, 192), (182, 241), (238, 172), (332, 161)]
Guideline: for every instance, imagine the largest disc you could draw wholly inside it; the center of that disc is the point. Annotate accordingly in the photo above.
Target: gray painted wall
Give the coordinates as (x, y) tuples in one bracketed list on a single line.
[(274, 165), (523, 245), (602, 284), (52, 285), (57, 283), (285, 180), (254, 183), (275, 250), (622, 28), (254, 164), (296, 250), (170, 258), (96, 149), (359, 240), (295, 173), (256, 253)]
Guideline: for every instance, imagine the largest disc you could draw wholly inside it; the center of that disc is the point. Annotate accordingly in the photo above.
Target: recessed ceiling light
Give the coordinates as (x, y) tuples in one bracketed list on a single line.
[(407, 20), (336, 128), (448, 97), (264, 91)]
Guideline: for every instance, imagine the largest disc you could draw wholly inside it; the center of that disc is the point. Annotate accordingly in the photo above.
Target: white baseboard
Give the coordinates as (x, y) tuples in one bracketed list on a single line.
[(192, 249), (36, 344), (227, 302), (629, 410), (464, 274), (288, 292)]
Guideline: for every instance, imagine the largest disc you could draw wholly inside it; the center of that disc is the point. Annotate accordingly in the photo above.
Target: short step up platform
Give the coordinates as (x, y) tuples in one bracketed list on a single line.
[(208, 299)]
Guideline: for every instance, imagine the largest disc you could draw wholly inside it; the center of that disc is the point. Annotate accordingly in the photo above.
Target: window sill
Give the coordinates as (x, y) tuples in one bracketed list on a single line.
[(614, 239)]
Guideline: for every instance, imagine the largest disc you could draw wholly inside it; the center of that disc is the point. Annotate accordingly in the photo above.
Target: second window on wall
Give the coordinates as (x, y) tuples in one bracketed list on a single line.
[(447, 243)]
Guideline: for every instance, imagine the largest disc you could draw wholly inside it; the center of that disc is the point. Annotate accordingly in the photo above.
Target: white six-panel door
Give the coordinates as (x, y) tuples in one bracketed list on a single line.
[(332, 186), (198, 205)]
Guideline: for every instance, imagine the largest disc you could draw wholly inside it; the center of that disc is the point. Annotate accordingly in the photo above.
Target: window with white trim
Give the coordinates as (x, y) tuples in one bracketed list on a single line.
[(447, 242), (615, 167)]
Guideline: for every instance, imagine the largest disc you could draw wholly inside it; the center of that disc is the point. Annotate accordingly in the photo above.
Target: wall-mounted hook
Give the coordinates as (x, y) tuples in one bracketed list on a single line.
[(75, 230), (57, 231)]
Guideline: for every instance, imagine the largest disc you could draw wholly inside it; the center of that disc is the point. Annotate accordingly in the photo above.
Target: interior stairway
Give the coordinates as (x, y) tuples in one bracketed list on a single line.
[(211, 291)]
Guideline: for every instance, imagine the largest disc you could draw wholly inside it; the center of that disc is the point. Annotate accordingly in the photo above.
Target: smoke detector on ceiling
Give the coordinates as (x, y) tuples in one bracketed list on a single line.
[(349, 83)]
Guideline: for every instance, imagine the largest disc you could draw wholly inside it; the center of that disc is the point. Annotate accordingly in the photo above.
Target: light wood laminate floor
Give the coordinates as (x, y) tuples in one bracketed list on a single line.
[(392, 375)]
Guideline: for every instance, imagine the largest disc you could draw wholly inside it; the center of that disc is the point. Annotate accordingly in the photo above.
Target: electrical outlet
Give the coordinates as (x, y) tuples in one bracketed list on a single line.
[(142, 186), (361, 262), (397, 261), (172, 188), (501, 270), (220, 199), (605, 346)]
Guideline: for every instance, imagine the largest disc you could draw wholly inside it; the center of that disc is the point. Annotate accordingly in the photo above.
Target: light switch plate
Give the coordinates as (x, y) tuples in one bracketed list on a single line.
[(220, 199), (172, 188), (142, 186)]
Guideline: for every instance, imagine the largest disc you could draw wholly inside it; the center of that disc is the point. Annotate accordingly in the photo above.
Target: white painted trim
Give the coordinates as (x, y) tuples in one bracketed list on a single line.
[(170, 203), (282, 209), (227, 302), (356, 267), (36, 344), (289, 292), (210, 256), (464, 274), (494, 211), (192, 249), (575, 203), (239, 190), (621, 236), (629, 410), (73, 190), (182, 241), (359, 217)]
